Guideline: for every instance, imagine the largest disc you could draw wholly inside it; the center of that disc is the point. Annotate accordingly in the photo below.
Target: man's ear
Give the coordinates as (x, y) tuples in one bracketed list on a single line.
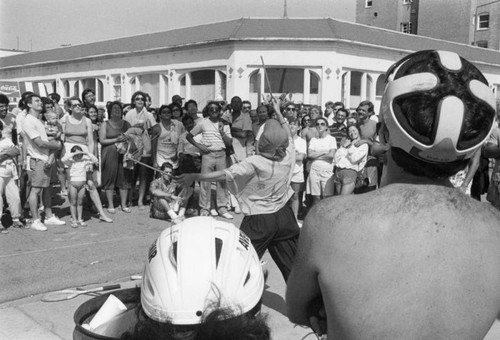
[(384, 134)]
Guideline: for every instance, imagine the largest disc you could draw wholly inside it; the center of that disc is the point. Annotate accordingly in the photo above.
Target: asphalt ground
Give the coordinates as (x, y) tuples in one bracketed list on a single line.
[(33, 263)]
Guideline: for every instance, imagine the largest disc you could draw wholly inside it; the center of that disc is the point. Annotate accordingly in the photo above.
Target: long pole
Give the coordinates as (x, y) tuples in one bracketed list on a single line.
[(266, 77)]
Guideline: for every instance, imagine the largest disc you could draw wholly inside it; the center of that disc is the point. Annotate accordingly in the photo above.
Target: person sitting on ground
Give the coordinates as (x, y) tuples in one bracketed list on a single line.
[(416, 259), (79, 163), (202, 280), (169, 197)]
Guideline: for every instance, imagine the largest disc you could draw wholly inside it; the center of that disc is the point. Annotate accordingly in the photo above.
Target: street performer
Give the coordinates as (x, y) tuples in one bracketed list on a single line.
[(261, 184)]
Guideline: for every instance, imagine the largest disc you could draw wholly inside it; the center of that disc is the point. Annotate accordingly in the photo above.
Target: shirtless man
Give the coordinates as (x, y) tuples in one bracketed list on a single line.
[(416, 259)]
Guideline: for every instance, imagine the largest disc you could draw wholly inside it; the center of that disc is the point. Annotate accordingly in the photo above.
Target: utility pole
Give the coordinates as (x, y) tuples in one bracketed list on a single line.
[(17, 37), (285, 15)]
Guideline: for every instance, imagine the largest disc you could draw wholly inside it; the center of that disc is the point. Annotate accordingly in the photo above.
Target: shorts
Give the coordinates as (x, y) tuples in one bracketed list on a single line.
[(39, 175), (320, 183), (346, 176)]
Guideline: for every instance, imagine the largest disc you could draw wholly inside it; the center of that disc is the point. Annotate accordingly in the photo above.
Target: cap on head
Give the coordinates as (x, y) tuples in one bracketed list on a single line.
[(176, 98), (437, 106), (197, 263)]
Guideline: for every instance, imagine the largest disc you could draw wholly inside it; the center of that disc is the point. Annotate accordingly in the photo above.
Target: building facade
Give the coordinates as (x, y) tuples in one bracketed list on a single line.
[(311, 61), (475, 22)]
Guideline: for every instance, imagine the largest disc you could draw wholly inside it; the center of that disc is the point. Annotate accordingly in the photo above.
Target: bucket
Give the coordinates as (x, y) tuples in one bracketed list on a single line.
[(86, 311)]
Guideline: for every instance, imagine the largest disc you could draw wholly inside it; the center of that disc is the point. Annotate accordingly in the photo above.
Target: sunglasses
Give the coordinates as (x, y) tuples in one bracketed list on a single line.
[(320, 124), (139, 98), (307, 120), (247, 107), (290, 109), (76, 105)]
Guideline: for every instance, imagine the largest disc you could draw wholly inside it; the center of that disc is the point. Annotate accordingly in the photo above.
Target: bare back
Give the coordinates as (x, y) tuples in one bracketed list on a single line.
[(407, 262)]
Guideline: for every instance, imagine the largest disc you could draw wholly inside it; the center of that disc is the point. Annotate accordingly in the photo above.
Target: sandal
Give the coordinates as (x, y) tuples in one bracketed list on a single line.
[(204, 212), (111, 210), (126, 210), (81, 223), (74, 224)]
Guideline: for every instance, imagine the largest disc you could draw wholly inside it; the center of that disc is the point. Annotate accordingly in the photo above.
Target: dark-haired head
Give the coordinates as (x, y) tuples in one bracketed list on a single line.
[(139, 94), (4, 99), (114, 105), (88, 97)]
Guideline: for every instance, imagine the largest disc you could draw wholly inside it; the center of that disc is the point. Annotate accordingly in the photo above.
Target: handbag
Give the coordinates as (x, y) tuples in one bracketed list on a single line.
[(362, 179)]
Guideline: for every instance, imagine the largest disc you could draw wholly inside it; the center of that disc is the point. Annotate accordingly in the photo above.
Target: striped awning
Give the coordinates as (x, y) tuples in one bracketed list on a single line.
[(40, 88)]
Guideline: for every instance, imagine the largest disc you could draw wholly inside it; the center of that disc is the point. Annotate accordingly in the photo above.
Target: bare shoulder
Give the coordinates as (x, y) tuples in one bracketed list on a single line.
[(399, 206)]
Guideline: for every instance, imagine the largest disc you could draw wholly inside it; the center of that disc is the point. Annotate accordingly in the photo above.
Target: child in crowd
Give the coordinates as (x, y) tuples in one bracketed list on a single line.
[(8, 185), (169, 196), (79, 163), (54, 132)]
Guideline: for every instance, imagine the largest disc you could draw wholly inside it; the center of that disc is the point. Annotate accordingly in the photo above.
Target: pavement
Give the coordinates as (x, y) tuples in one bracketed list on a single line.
[(30, 318), (33, 263)]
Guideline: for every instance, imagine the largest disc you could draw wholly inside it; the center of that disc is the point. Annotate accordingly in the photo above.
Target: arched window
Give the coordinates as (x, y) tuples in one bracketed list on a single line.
[(255, 90), (76, 89), (203, 85), (150, 85), (66, 89), (314, 88), (183, 86), (355, 87), (379, 91)]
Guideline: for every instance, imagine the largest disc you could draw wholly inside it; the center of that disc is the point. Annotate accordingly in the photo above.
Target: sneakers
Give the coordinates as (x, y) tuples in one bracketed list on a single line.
[(224, 213), (81, 223), (204, 212), (105, 218), (3, 230), (74, 224), (54, 220), (38, 225)]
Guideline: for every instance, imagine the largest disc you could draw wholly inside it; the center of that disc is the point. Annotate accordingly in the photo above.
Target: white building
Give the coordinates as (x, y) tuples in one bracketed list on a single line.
[(314, 60)]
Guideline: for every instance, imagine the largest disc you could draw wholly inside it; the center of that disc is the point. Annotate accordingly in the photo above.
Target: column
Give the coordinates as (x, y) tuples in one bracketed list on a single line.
[(187, 95), (307, 87)]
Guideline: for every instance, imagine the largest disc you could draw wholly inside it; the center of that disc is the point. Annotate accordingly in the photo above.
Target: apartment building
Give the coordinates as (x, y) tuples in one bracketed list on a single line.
[(473, 22)]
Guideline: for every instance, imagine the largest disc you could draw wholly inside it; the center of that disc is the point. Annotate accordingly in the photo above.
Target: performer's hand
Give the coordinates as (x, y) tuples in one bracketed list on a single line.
[(317, 316)]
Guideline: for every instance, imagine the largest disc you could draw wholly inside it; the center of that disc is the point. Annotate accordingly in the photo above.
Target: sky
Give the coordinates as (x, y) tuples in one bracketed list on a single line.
[(35, 25)]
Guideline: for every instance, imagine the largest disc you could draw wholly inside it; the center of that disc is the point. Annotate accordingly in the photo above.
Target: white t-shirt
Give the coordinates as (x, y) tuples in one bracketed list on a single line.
[(298, 170), (145, 116), (322, 145), (33, 128), (7, 167)]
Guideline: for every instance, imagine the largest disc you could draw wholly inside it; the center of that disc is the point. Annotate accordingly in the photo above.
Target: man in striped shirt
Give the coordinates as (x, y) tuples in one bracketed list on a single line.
[(215, 137)]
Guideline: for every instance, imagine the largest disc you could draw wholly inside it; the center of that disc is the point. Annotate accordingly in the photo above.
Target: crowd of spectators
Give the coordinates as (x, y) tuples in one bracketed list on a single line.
[(105, 152)]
